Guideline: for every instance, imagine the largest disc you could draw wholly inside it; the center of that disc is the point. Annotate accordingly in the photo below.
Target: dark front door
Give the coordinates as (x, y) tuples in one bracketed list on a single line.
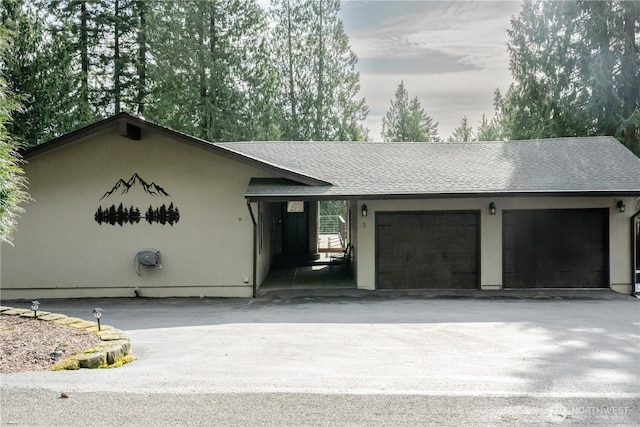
[(295, 229), (422, 250), (561, 248)]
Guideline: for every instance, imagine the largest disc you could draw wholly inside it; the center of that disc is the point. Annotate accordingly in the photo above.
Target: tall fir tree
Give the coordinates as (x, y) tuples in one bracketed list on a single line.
[(120, 64), (74, 62), (12, 183), (82, 31), (19, 65), (406, 120), (211, 72), (489, 130), (33, 69), (463, 132), (576, 67), (316, 71)]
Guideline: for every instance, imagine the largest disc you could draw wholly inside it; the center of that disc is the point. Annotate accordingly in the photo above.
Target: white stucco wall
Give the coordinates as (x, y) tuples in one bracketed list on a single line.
[(491, 232), (61, 251)]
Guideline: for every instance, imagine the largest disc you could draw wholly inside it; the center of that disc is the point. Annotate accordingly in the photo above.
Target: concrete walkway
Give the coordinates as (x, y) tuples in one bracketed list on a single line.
[(350, 361)]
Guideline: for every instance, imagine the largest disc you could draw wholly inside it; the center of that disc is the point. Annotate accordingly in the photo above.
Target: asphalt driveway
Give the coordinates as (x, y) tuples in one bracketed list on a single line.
[(348, 361)]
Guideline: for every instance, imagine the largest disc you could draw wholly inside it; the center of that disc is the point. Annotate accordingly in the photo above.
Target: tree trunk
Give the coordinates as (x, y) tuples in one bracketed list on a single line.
[(293, 125), (320, 87), (202, 73), (84, 55), (142, 55), (117, 62), (213, 75), (629, 69)]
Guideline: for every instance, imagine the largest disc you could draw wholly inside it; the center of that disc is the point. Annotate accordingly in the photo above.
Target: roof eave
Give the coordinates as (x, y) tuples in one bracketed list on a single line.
[(282, 197), (62, 140), (124, 119)]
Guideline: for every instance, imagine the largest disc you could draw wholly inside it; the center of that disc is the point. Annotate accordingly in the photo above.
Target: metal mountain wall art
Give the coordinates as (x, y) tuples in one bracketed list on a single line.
[(137, 188)]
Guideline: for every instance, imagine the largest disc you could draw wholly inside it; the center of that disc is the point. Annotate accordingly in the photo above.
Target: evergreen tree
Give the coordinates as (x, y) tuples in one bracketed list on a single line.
[(81, 30), (489, 130), (464, 131), (121, 63), (316, 70), (220, 85), (493, 130), (34, 68), (74, 62), (406, 120), (12, 184), (203, 68), (141, 10), (576, 67)]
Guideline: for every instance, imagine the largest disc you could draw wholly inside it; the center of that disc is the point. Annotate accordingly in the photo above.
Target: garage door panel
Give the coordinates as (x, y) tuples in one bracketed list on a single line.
[(427, 250), (555, 248)]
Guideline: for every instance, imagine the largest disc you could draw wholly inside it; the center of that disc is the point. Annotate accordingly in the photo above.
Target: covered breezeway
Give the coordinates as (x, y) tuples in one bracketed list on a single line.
[(301, 244)]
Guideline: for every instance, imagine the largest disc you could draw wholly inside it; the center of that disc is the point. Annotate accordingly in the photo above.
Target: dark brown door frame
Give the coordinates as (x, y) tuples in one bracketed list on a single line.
[(635, 275)]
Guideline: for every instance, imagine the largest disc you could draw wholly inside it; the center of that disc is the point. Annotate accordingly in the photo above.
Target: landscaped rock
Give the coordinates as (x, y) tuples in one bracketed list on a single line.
[(114, 335), (92, 360), (29, 313), (58, 353), (16, 311), (117, 352), (68, 320), (84, 324), (52, 316)]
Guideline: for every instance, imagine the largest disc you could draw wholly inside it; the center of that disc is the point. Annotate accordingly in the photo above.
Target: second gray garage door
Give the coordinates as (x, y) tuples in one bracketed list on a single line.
[(427, 250)]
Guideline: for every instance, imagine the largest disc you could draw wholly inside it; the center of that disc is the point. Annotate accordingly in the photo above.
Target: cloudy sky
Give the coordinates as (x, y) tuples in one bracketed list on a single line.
[(450, 54)]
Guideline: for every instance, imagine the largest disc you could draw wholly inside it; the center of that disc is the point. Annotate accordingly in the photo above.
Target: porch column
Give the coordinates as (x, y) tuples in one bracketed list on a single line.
[(314, 223)]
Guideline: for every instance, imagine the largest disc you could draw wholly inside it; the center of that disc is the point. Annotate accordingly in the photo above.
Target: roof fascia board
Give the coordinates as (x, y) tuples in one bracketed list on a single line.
[(62, 140), (285, 197)]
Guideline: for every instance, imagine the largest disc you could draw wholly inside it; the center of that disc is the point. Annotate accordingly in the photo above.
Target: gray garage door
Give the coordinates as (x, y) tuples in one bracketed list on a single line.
[(427, 250), (564, 248)]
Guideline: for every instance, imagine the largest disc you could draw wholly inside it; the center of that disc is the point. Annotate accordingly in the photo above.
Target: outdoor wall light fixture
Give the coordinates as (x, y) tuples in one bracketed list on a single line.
[(620, 205), (492, 208), (97, 313), (364, 210), (35, 304)]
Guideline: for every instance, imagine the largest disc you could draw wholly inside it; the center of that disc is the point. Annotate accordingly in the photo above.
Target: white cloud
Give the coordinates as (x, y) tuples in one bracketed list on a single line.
[(443, 97), (451, 55)]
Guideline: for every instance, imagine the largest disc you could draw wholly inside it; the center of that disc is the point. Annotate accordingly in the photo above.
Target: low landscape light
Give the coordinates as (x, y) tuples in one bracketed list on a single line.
[(492, 208), (35, 304), (620, 205), (97, 313)]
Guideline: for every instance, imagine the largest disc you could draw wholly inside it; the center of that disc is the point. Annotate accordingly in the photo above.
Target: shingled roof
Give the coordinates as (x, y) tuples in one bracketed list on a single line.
[(567, 166), (334, 170)]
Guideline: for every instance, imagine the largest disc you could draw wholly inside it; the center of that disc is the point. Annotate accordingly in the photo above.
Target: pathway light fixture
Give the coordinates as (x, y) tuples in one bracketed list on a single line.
[(97, 313), (35, 304)]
